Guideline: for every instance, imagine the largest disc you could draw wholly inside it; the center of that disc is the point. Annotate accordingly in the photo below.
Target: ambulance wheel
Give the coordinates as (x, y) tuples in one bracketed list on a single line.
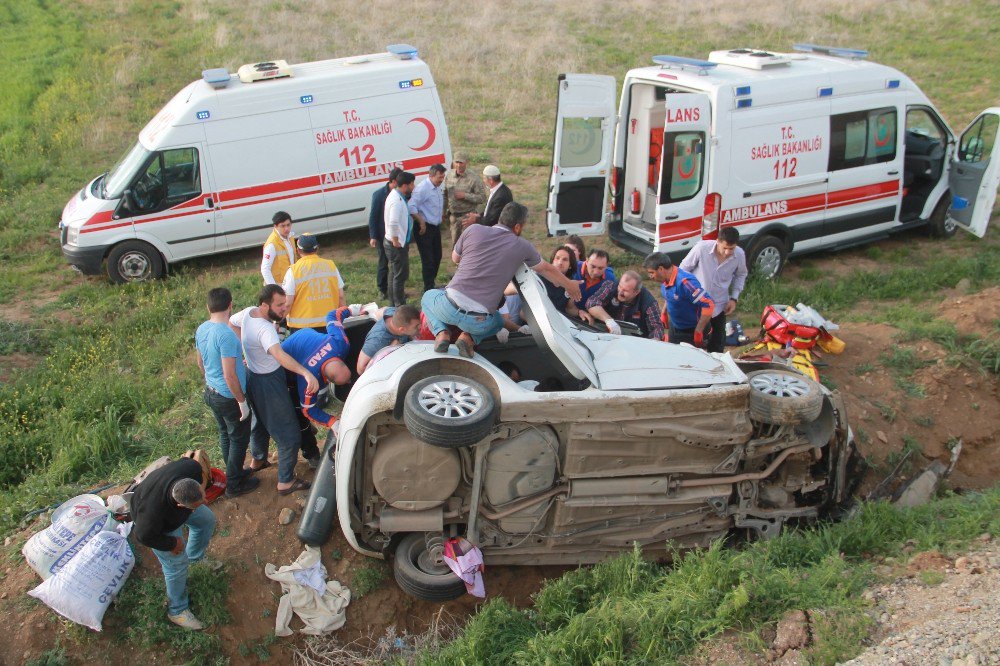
[(767, 257), (783, 397), (940, 225), (134, 261), (423, 574), (449, 411)]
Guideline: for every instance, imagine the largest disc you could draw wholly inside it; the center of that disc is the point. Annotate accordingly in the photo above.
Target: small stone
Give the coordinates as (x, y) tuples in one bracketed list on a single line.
[(963, 609), (301, 501), (985, 537), (3, 595), (882, 437), (8, 541), (963, 564), (286, 516), (963, 286)]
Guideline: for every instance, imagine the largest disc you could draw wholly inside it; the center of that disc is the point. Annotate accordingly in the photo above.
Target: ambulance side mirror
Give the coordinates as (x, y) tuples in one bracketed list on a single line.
[(126, 206)]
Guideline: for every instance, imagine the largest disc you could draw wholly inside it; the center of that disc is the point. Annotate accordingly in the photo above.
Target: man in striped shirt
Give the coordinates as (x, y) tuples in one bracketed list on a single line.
[(688, 307)]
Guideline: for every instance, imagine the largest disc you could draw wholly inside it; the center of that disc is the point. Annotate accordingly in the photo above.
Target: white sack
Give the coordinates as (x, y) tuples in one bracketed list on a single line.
[(74, 523)]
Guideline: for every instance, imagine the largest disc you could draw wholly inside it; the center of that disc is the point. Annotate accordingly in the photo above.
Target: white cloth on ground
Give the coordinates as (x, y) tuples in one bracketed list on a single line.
[(300, 584)]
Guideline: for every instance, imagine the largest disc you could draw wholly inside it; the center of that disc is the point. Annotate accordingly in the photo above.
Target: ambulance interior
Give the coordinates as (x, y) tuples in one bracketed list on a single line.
[(644, 158), (923, 161)]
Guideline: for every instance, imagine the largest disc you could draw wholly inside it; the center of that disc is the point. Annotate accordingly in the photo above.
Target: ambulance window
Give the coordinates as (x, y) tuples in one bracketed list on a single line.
[(861, 138), (978, 140), (921, 123), (171, 177), (582, 142), (683, 157)]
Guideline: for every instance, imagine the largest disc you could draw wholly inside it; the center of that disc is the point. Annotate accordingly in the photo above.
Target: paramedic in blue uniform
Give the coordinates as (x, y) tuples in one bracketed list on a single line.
[(592, 274), (627, 300), (721, 267), (688, 307)]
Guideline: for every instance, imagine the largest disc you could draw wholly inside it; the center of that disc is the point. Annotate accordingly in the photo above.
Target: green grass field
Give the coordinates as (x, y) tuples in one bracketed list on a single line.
[(107, 379)]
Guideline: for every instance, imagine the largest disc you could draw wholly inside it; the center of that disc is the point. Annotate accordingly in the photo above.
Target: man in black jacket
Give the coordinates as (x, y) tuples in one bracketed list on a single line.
[(166, 500), (498, 196), (376, 231)]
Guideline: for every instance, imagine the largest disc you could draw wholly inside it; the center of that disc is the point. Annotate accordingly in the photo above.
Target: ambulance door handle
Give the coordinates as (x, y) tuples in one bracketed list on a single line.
[(894, 173), (671, 217), (209, 203)]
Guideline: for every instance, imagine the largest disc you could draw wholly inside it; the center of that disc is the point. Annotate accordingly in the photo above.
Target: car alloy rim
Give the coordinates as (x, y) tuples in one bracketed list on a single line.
[(781, 386), (134, 265), (425, 562), (768, 261), (451, 399), (949, 225)]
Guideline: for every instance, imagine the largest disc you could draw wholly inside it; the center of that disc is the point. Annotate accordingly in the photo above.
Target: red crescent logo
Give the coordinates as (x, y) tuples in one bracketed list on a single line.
[(431, 133)]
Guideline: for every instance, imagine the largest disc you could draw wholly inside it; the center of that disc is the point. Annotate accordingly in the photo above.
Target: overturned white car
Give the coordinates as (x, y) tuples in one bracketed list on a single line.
[(642, 442)]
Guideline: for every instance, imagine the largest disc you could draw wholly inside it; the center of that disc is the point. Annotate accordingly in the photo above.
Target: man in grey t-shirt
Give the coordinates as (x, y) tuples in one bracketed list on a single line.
[(487, 259)]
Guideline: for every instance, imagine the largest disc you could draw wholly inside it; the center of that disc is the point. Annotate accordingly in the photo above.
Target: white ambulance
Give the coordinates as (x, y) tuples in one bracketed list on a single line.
[(228, 151), (815, 149)]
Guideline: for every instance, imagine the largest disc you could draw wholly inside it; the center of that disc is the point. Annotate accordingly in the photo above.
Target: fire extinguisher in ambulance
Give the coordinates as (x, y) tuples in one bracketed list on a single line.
[(634, 197)]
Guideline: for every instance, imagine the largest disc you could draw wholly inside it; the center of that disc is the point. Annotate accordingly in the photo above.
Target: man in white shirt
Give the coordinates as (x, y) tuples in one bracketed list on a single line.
[(398, 233), (267, 389), (498, 197), (279, 249), (426, 206)]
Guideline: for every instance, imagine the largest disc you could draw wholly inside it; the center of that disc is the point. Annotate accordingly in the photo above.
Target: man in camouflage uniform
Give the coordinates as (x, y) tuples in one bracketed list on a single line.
[(463, 194)]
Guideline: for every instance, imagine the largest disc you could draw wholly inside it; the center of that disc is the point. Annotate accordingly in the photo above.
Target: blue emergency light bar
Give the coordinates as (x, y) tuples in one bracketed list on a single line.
[(402, 51), (835, 51), (701, 66)]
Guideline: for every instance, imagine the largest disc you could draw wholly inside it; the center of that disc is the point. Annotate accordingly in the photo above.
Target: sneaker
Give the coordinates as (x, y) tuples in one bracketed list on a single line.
[(465, 346), (186, 620), (245, 486)]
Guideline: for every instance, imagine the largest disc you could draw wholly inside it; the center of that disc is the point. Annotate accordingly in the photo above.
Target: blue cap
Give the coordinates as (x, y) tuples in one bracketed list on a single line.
[(307, 243)]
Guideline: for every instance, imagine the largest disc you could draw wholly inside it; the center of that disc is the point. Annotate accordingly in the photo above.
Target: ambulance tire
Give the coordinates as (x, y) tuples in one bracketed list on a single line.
[(449, 411), (419, 576), (939, 225), (784, 397), (767, 257), (134, 261)]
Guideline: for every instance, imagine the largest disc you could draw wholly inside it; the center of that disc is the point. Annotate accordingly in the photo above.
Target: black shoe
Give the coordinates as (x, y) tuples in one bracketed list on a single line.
[(313, 462), (243, 487)]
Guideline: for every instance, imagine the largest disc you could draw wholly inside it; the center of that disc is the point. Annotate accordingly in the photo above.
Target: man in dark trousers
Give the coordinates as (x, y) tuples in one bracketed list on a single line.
[(167, 500), (498, 195), (376, 231)]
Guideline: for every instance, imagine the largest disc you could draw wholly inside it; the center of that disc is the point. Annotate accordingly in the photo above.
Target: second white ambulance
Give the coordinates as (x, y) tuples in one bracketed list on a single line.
[(816, 149)]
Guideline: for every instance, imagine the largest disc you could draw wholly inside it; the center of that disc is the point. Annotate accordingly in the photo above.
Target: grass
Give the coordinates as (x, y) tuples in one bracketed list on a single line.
[(367, 578), (630, 611)]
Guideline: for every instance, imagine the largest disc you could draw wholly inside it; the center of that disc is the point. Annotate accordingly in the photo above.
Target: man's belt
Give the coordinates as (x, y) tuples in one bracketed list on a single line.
[(463, 310)]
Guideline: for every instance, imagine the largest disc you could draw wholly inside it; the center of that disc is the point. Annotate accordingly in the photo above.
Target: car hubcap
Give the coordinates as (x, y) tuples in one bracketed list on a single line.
[(134, 266), (426, 563), (451, 400), (781, 386), (769, 261), (949, 225)]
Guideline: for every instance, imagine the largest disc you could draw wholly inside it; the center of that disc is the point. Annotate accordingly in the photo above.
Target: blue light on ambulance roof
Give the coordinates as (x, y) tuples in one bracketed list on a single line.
[(824, 92), (306, 99), (742, 90), (683, 63), (892, 83), (744, 103), (203, 115), (403, 51)]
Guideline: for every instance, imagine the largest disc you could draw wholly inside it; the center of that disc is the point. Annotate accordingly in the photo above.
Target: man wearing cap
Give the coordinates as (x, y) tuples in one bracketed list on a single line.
[(463, 192), (398, 234), (426, 206), (279, 250), (498, 197), (313, 286)]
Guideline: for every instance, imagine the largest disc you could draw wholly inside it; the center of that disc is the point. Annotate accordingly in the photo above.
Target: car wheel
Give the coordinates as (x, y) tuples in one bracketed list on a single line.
[(767, 257), (422, 574), (449, 411), (134, 261), (940, 225), (782, 397)]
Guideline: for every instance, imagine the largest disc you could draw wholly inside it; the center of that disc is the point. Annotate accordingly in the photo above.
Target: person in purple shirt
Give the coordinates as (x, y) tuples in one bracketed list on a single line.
[(721, 268)]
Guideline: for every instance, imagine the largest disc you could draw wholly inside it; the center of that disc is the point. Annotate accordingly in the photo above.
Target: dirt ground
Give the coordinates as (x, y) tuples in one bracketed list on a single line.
[(961, 403)]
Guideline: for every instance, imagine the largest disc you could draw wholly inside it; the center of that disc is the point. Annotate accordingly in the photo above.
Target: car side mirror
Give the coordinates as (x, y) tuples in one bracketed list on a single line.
[(126, 206)]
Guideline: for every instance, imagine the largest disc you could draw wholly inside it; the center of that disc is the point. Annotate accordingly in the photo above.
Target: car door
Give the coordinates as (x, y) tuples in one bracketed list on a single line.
[(975, 173), (581, 154), (169, 200), (683, 172)]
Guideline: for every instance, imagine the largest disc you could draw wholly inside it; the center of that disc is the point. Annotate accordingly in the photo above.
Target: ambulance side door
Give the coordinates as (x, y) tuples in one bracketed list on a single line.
[(975, 173), (581, 154), (683, 175)]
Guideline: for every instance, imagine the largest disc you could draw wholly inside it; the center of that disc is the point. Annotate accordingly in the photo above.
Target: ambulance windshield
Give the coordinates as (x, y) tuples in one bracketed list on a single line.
[(119, 177)]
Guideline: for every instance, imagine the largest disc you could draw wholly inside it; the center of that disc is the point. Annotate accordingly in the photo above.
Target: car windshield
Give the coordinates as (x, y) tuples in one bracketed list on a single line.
[(119, 177)]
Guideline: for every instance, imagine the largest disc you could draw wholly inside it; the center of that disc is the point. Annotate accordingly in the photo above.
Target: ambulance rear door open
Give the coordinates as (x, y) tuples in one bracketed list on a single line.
[(975, 173), (581, 154)]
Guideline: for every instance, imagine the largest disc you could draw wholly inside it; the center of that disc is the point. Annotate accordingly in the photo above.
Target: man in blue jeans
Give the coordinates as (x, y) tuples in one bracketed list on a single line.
[(166, 501), (220, 360), (487, 259)]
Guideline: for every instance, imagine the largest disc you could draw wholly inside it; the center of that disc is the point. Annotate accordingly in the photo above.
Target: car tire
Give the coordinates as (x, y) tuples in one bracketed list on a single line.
[(134, 261), (939, 226), (449, 411), (419, 576), (783, 397), (767, 257)]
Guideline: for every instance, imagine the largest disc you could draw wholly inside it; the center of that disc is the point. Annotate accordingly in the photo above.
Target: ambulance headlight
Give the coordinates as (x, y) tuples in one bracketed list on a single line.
[(72, 235)]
